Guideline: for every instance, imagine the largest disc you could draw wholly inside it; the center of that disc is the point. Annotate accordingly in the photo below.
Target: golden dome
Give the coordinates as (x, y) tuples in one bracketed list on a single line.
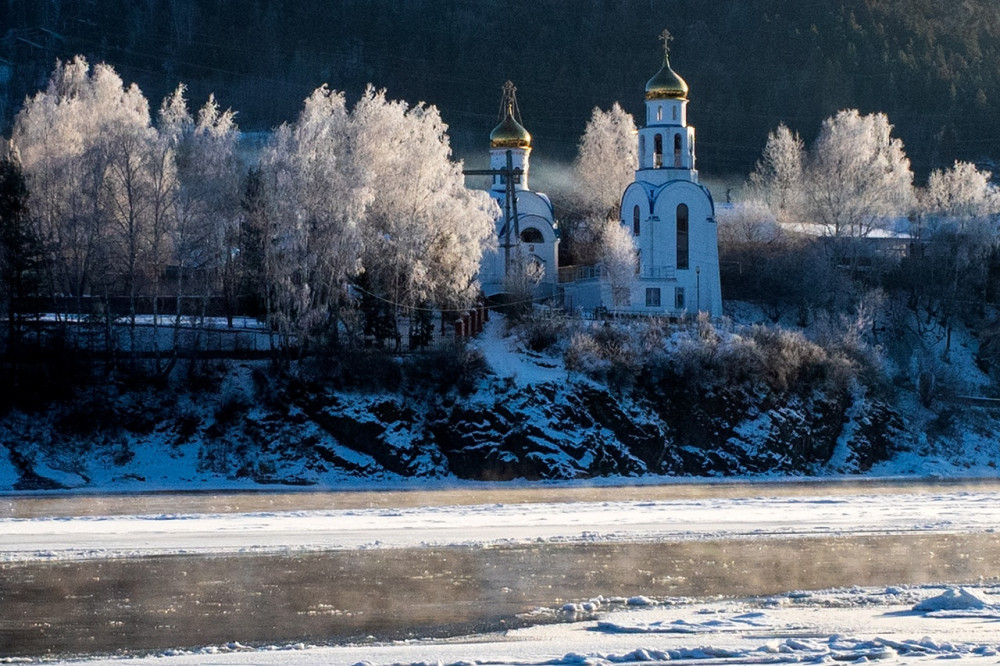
[(666, 84), (510, 133)]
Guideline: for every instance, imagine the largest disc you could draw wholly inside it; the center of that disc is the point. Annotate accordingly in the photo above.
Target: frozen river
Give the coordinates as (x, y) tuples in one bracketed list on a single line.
[(135, 574), (153, 603)]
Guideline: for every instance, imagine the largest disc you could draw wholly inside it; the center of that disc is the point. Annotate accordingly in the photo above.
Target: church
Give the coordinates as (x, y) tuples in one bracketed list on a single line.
[(670, 216), (528, 239)]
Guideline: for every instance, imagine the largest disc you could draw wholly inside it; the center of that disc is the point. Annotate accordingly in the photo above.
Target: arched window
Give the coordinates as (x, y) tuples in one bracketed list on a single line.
[(677, 151), (635, 221), (682, 236), (659, 113), (657, 151), (532, 235), (675, 113)]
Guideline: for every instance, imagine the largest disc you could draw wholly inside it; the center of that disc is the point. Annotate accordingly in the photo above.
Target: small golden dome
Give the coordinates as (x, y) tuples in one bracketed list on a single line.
[(510, 133), (666, 84)]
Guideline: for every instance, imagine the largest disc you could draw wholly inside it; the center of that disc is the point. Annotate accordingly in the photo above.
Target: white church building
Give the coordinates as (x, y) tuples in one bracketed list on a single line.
[(528, 240), (671, 216)]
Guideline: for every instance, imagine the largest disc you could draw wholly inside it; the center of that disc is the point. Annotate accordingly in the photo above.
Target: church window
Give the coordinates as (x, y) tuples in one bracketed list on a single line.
[(678, 298), (682, 236), (659, 113), (657, 151), (652, 297), (677, 151), (532, 235), (635, 221), (675, 113)]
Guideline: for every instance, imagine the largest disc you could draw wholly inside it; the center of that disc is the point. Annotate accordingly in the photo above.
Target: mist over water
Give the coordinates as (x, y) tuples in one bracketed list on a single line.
[(147, 604)]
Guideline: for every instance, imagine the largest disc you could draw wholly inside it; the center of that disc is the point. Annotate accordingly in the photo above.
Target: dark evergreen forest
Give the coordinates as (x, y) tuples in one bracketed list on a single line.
[(931, 66)]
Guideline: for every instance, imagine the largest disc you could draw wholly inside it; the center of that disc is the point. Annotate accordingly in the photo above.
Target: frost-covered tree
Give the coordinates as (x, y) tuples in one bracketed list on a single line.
[(199, 197), (858, 176), (962, 196), (88, 150), (748, 224), (372, 194), (777, 178), (316, 198), (128, 198), (424, 232), (213, 179), (619, 260), (959, 213), (606, 161)]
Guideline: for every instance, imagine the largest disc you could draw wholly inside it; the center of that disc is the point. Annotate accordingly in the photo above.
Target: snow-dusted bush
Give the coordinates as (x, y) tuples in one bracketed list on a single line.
[(609, 352), (458, 367), (583, 355), (539, 333), (700, 356)]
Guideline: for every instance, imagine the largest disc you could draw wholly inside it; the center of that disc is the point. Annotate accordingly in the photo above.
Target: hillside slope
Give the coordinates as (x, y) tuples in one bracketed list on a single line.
[(527, 417)]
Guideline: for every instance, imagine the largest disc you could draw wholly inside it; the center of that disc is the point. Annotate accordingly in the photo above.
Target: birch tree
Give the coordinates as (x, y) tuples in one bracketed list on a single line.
[(777, 178), (214, 179), (858, 176), (316, 198), (424, 233), (619, 259), (84, 144), (960, 208), (606, 161)]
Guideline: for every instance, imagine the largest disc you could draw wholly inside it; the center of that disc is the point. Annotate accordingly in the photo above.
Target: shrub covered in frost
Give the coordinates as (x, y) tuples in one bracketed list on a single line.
[(539, 333), (608, 352), (458, 367), (702, 355)]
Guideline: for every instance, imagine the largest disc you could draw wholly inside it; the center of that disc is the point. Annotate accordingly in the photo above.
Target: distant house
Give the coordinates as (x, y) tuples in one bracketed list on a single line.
[(888, 241)]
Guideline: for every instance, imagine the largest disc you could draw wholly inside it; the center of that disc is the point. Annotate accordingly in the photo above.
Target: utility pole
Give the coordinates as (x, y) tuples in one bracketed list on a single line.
[(511, 177)]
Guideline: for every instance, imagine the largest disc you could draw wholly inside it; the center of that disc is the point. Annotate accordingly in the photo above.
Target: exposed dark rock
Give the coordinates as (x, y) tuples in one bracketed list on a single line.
[(504, 431)]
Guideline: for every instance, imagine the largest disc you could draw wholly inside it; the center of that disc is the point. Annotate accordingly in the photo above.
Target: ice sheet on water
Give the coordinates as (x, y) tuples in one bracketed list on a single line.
[(958, 599), (719, 623)]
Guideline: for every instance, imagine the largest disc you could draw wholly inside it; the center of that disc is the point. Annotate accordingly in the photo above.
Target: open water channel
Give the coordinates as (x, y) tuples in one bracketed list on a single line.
[(145, 604)]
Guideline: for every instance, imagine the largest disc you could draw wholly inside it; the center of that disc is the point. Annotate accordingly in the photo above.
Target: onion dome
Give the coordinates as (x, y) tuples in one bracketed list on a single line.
[(510, 133), (666, 84)]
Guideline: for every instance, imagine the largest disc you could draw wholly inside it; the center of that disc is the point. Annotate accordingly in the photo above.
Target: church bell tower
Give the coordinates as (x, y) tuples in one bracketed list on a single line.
[(666, 143)]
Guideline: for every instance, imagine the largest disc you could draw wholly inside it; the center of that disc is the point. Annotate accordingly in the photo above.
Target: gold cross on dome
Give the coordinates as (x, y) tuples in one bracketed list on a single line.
[(666, 38)]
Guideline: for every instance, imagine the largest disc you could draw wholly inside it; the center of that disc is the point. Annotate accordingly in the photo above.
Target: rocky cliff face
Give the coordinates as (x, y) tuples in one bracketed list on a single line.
[(568, 429), (580, 430)]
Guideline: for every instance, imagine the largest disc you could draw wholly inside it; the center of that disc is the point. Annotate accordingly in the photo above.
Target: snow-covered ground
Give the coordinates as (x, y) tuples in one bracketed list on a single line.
[(896, 625), (477, 525)]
